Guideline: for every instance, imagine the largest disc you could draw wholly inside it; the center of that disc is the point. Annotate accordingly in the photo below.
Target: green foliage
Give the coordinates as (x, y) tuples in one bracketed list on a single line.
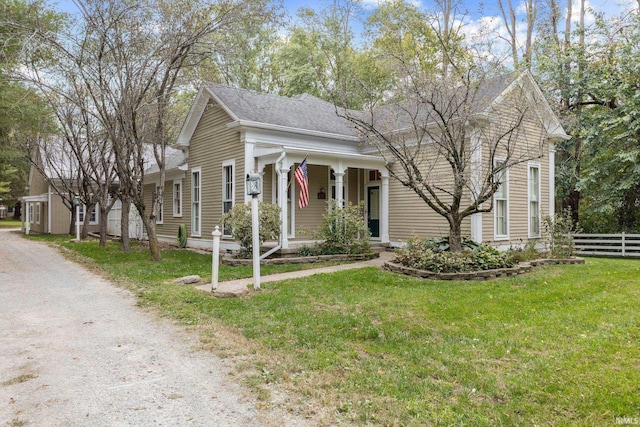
[(527, 253), (182, 236), (343, 230), (238, 221), (560, 230), (435, 255)]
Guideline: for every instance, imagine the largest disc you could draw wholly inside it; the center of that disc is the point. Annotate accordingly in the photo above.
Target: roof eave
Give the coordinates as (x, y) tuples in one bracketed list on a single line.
[(243, 125)]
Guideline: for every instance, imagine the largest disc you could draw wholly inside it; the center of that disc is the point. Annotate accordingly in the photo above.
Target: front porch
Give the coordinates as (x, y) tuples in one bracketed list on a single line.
[(347, 178)]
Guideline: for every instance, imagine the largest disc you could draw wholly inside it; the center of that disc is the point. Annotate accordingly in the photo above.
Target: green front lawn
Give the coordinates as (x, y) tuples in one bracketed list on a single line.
[(10, 223), (559, 346)]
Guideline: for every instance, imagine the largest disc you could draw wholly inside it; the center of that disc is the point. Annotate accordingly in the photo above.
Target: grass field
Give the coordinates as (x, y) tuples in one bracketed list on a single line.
[(559, 346), (10, 223)]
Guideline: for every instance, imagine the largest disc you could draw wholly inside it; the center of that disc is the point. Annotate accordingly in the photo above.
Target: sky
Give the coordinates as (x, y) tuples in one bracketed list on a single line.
[(479, 15)]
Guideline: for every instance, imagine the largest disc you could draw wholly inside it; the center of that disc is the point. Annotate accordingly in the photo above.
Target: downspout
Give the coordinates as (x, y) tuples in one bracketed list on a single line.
[(279, 175), (49, 210)]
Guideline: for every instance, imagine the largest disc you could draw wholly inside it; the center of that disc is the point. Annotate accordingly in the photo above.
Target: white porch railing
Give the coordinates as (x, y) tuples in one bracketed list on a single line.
[(619, 245)]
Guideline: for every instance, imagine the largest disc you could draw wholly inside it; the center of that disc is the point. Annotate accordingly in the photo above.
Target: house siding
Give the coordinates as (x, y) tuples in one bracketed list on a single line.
[(532, 132), (211, 145), (309, 218)]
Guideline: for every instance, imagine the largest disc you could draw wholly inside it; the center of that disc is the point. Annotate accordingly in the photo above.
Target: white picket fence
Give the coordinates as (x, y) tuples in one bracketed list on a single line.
[(618, 245)]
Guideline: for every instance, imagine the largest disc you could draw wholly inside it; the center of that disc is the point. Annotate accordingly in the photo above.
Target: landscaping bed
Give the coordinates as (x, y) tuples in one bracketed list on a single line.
[(520, 268)]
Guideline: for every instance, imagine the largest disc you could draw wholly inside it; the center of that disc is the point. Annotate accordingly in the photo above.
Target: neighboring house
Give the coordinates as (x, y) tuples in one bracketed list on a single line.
[(230, 132), (44, 211)]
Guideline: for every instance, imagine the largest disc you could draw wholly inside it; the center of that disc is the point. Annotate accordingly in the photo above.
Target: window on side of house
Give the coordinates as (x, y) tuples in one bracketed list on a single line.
[(82, 212), (93, 216), (534, 200), (227, 190), (196, 212), (160, 216), (501, 206), (177, 198), (38, 213)]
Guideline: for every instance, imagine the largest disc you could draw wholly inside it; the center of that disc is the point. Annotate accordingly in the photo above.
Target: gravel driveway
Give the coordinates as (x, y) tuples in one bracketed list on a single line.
[(76, 351)]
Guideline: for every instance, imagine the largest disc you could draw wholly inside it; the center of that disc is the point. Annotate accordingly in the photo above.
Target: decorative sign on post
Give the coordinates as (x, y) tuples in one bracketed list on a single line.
[(254, 189)]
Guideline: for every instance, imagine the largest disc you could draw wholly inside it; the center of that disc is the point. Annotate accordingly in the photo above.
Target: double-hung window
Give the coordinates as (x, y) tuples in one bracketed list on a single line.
[(177, 198), (501, 206), (534, 200), (160, 216), (227, 190), (196, 206), (93, 215), (38, 213)]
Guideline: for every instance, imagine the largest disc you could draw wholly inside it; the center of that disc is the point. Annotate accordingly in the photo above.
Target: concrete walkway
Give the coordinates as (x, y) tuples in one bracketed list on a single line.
[(239, 287)]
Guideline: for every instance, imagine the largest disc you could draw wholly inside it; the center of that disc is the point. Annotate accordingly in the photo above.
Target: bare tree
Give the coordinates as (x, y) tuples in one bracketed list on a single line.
[(450, 143), (509, 17), (127, 60)]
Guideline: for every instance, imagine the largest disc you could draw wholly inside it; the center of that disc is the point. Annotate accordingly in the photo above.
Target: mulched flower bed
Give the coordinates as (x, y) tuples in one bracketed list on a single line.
[(521, 268)]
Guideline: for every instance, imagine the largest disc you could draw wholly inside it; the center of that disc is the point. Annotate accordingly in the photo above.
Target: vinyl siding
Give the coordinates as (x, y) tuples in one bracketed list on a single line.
[(530, 136), (410, 216), (211, 145), (309, 218)]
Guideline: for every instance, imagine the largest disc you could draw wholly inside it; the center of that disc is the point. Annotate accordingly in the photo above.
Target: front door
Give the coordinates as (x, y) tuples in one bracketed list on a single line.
[(373, 210)]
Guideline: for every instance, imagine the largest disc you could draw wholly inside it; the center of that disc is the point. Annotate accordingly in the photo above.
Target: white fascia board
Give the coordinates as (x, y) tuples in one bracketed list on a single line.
[(268, 138), (193, 118), (39, 198), (245, 125), (327, 157)]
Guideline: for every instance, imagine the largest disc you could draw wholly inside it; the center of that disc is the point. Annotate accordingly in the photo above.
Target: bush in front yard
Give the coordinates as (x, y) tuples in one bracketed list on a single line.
[(238, 221), (344, 230), (435, 255)]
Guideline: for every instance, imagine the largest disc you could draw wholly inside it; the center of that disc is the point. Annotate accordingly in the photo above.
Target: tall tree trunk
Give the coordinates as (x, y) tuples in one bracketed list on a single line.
[(104, 222), (455, 234), (124, 224), (154, 247)]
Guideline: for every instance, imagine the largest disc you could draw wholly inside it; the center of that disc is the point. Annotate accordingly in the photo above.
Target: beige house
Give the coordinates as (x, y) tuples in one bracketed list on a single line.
[(230, 132), (44, 210)]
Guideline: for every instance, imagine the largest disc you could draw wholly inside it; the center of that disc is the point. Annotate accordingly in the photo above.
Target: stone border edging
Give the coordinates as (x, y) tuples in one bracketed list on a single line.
[(227, 260), (521, 268)]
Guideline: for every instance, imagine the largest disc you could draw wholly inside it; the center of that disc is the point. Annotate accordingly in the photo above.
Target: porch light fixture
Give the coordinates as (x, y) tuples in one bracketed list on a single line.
[(253, 184)]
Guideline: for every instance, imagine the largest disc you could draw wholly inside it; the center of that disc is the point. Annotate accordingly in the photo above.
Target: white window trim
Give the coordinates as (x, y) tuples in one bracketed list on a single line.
[(496, 236), (530, 166), (160, 216), (38, 213), (226, 164), (198, 233), (173, 198), (83, 213)]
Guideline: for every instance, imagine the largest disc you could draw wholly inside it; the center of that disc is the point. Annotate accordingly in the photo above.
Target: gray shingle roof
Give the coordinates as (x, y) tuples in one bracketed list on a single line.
[(299, 112), (309, 113)]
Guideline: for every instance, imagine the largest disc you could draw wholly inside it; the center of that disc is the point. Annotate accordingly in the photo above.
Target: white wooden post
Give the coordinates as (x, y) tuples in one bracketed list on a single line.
[(255, 230), (215, 256), (78, 222)]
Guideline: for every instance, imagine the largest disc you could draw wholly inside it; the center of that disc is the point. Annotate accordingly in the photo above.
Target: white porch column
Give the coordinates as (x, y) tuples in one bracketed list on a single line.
[(552, 179), (384, 208), (338, 172), (339, 185), (282, 202)]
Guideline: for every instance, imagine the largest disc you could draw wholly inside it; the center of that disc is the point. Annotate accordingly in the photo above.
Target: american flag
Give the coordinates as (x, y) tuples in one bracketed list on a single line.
[(303, 181)]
